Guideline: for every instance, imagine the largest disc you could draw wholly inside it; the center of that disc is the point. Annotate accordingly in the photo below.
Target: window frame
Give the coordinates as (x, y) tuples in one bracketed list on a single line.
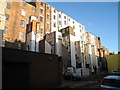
[(23, 12), (8, 7), (48, 25), (42, 4), (24, 4), (7, 17), (33, 8), (54, 16), (48, 16), (41, 30), (48, 7), (5, 30), (54, 11), (21, 35), (54, 25), (41, 19), (22, 23), (41, 10), (64, 17), (65, 23)]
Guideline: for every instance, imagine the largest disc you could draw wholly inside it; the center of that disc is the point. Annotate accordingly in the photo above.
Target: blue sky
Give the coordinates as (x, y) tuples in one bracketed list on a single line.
[(99, 18)]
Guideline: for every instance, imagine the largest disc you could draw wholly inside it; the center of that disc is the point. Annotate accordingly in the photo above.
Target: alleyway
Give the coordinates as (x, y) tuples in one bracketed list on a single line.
[(84, 83)]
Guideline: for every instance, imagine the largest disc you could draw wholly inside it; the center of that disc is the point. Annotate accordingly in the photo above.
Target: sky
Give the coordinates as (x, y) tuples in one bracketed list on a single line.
[(99, 18)]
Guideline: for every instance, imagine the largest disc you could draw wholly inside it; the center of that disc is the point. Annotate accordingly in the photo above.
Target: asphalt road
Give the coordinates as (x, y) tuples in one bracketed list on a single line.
[(92, 85), (84, 84)]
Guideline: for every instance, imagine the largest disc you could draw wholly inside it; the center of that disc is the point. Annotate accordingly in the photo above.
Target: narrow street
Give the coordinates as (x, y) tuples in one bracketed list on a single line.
[(84, 84)]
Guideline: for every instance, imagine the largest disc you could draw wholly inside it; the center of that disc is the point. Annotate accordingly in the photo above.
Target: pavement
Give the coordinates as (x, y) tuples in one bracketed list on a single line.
[(77, 84), (85, 81)]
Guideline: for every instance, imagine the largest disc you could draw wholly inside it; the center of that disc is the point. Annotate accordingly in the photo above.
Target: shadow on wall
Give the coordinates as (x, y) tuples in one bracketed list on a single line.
[(103, 64), (17, 44), (25, 69)]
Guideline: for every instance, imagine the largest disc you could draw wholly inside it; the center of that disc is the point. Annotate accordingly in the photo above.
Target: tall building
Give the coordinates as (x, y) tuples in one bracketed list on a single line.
[(17, 17), (27, 24)]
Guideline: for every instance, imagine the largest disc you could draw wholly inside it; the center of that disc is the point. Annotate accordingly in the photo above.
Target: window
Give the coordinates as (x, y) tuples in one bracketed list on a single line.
[(5, 31), (65, 22), (83, 34), (41, 19), (73, 27), (41, 10), (75, 43), (59, 22), (64, 17), (80, 26), (8, 6), (21, 36), (41, 30), (38, 28), (63, 31), (23, 13), (33, 8), (41, 4), (80, 30), (73, 22), (54, 24), (24, 4), (59, 16), (48, 7), (54, 17), (81, 37), (87, 65), (48, 25), (78, 65), (48, 16), (22, 22), (54, 11), (0, 19), (7, 17)]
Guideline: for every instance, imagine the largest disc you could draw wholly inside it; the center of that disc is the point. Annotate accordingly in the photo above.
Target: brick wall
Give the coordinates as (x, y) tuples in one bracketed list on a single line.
[(42, 70)]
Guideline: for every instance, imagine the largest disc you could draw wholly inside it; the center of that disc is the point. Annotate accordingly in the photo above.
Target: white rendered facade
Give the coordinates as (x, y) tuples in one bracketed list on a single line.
[(62, 21)]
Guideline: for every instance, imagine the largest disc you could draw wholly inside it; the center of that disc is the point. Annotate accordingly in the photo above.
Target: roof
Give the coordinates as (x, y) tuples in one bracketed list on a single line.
[(112, 77)]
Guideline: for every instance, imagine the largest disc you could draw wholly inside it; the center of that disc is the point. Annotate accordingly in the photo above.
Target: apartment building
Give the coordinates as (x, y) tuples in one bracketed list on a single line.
[(27, 24), (17, 17)]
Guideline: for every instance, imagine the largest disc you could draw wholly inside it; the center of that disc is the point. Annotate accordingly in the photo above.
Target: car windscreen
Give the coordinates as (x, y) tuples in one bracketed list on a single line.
[(111, 82)]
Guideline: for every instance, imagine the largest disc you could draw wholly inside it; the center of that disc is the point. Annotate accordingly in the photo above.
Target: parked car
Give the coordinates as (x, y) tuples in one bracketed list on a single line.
[(71, 76), (115, 72), (67, 76), (75, 76), (104, 74), (111, 82)]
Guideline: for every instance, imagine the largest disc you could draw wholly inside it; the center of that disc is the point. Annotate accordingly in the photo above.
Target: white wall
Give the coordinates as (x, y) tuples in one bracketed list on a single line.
[(64, 20), (58, 44), (79, 36), (72, 46), (54, 20), (33, 18), (47, 47), (31, 41)]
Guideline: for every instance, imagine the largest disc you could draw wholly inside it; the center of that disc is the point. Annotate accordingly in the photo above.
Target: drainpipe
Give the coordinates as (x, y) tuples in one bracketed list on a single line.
[(0, 59)]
